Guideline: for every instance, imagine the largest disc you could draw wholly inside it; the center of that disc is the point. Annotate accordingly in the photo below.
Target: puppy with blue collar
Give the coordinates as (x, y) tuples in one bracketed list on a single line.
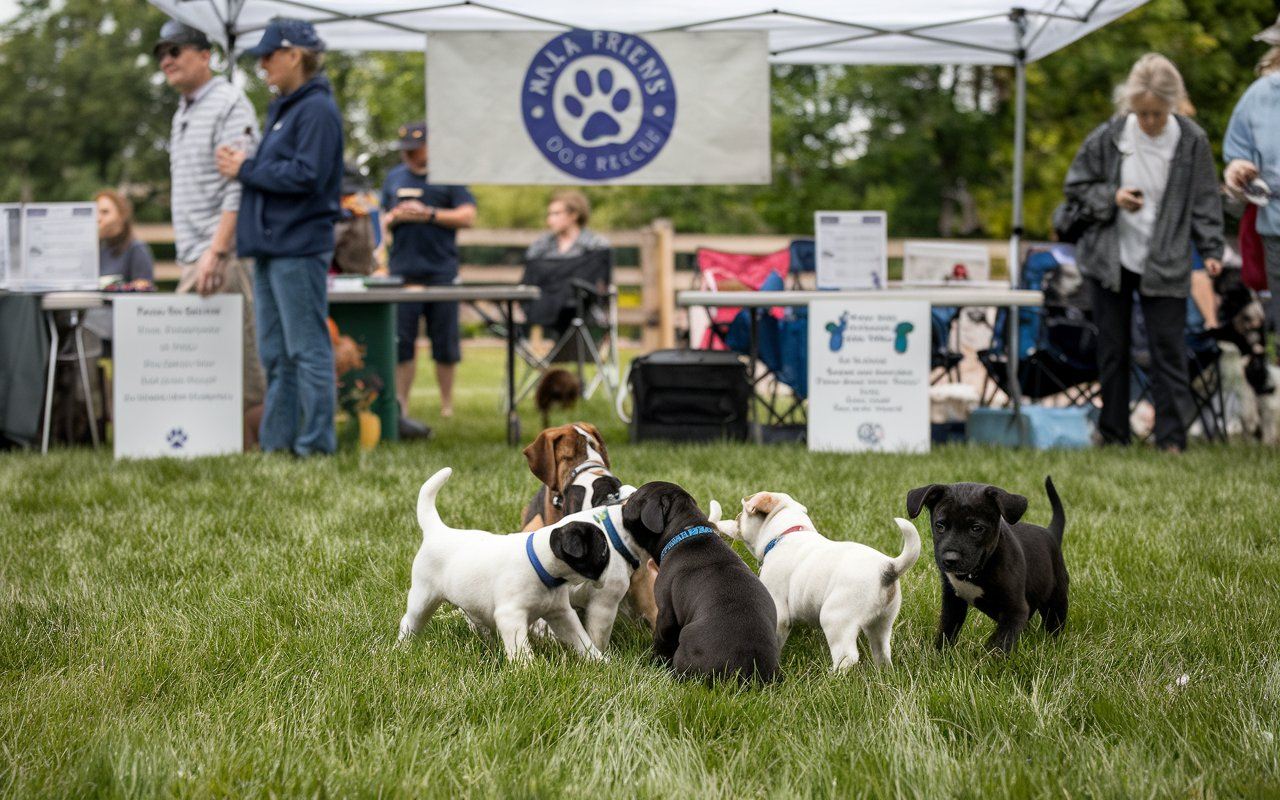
[(846, 588), (504, 583), (715, 618)]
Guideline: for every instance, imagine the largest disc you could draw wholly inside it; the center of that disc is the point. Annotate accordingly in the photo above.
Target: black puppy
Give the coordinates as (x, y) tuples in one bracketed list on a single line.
[(988, 559), (715, 618)]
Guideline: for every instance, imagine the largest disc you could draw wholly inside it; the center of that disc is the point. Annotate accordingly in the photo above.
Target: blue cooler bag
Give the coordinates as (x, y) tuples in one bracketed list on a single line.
[(1037, 427)]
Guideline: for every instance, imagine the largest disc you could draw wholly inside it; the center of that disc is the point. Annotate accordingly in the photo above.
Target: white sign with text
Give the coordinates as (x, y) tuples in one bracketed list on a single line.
[(869, 376), (852, 249), (178, 376)]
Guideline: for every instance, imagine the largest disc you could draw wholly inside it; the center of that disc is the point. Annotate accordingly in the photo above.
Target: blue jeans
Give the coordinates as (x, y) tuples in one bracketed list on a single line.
[(293, 339)]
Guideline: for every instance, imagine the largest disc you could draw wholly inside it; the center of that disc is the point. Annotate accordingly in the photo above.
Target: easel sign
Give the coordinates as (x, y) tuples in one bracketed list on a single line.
[(852, 249), (53, 247), (944, 264), (869, 376), (178, 375)]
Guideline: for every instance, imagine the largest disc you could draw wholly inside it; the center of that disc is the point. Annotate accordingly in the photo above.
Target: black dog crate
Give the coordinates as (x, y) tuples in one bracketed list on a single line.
[(689, 395)]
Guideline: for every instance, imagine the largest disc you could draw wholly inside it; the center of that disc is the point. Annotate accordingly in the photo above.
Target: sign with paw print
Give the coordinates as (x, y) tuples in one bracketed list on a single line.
[(177, 381), (869, 375), (598, 107)]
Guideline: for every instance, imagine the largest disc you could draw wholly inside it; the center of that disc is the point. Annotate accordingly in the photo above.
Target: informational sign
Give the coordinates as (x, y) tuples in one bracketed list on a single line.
[(869, 375), (54, 247), (10, 237), (944, 263), (178, 375), (852, 249)]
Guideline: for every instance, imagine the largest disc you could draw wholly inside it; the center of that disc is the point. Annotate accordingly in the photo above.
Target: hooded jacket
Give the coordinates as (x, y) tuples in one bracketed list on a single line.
[(1191, 212), (292, 185)]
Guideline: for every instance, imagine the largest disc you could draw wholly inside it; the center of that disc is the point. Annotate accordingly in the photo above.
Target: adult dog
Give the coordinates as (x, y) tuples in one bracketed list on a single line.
[(503, 583), (987, 558), (573, 464), (715, 618), (843, 587)]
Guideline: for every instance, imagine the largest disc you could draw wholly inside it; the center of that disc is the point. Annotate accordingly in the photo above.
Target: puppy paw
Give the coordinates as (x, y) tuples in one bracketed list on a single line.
[(541, 629)]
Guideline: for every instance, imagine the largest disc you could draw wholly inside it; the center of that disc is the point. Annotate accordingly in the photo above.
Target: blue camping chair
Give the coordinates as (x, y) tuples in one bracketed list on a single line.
[(782, 346)]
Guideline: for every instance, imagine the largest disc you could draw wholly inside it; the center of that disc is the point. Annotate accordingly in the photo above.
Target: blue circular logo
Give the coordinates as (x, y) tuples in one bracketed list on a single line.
[(598, 104)]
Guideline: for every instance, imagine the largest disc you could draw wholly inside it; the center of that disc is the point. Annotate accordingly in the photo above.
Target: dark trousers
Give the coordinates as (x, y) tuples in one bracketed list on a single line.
[(1166, 320)]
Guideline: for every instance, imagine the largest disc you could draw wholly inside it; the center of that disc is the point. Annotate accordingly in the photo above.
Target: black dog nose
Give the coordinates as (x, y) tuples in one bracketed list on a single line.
[(950, 558)]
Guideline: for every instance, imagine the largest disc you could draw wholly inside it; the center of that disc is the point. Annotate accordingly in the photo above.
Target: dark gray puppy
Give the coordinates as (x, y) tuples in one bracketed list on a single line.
[(988, 559), (715, 618)]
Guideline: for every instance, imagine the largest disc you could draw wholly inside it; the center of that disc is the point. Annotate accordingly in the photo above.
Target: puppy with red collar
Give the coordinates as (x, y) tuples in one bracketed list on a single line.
[(573, 464), (504, 583), (846, 588)]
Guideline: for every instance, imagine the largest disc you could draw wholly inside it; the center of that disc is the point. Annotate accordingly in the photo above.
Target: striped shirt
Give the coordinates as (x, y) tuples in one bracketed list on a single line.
[(217, 114)]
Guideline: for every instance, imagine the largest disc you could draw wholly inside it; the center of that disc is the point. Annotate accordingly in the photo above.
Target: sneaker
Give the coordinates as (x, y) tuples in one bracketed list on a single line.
[(411, 428)]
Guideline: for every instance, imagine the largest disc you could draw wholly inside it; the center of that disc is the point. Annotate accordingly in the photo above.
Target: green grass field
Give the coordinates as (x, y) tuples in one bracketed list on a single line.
[(225, 627)]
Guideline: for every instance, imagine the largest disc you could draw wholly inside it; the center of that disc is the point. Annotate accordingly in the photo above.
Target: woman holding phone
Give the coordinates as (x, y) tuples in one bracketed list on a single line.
[(1148, 174)]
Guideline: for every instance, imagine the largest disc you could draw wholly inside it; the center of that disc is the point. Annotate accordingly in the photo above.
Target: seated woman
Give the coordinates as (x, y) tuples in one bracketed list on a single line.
[(121, 255), (567, 216)]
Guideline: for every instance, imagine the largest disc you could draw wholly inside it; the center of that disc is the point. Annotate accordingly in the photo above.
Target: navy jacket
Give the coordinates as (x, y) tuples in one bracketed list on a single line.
[(292, 185)]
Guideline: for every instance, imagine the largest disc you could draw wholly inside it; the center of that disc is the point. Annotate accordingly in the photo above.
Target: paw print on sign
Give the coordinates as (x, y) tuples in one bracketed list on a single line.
[(176, 438), (598, 102)]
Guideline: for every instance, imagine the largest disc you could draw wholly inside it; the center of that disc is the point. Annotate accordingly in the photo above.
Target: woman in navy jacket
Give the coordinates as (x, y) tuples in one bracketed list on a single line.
[(290, 201)]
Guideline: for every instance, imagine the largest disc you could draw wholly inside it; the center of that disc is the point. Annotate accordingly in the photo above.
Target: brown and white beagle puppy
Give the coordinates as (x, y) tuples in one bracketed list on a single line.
[(573, 464)]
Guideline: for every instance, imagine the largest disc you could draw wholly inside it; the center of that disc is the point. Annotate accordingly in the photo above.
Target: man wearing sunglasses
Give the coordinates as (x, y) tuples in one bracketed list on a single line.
[(211, 112)]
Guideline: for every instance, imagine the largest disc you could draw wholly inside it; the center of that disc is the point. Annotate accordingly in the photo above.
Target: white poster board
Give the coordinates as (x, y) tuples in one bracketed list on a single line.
[(944, 263), (178, 375), (852, 249), (10, 239), (56, 249), (869, 376)]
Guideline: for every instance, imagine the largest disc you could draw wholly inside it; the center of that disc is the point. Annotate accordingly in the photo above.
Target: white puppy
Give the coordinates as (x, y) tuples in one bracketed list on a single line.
[(844, 587), (600, 601), (504, 582)]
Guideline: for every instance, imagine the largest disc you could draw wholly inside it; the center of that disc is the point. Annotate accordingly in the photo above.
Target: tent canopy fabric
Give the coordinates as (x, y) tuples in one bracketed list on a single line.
[(1000, 32)]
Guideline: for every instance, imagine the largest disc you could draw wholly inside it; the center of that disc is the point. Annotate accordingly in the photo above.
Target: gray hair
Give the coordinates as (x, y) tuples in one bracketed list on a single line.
[(1155, 75), (312, 62), (1270, 61)]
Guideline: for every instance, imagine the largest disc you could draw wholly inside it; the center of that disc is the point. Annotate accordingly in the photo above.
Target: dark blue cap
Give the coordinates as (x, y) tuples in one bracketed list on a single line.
[(286, 33)]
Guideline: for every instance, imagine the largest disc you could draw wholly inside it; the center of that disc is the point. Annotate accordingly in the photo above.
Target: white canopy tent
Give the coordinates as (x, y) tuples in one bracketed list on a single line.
[(989, 32)]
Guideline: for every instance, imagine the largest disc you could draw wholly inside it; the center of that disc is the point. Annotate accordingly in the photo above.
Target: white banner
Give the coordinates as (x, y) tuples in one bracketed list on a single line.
[(596, 107), (869, 375), (178, 375)]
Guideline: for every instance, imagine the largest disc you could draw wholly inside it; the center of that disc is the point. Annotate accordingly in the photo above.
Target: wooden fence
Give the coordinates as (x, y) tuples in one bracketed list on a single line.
[(652, 281)]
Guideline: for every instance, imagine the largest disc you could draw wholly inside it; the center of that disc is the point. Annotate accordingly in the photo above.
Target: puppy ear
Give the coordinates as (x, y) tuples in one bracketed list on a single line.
[(653, 515), (541, 455), (568, 542), (925, 496), (595, 434), (760, 503), (1012, 506)]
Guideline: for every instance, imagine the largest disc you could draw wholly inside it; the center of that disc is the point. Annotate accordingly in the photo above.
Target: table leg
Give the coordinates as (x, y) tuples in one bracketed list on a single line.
[(513, 416), (48, 389), (753, 413)]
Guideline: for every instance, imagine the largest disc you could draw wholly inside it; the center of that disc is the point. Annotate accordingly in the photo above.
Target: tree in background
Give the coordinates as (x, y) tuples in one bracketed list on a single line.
[(82, 105)]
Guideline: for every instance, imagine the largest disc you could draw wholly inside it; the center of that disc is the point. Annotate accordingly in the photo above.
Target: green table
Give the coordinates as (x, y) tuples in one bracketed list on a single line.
[(368, 316)]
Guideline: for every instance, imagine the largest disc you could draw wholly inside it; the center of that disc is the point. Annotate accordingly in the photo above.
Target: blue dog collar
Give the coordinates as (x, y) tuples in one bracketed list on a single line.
[(616, 540), (548, 580), (687, 533), (774, 541)]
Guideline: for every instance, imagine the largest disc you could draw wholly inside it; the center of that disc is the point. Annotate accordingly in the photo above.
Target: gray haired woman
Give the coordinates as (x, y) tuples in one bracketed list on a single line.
[(1147, 175)]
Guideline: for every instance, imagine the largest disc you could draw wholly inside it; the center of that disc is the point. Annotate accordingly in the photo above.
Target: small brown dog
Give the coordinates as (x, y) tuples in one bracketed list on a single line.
[(573, 464), (558, 388)]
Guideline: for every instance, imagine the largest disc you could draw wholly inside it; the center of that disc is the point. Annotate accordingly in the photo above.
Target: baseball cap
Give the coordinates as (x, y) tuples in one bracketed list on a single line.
[(412, 135), (1270, 35), (286, 33), (177, 33)]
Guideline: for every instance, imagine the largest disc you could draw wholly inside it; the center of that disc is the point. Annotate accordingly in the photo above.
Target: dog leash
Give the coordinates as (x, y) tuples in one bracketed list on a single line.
[(687, 533), (548, 580), (616, 540), (774, 541)]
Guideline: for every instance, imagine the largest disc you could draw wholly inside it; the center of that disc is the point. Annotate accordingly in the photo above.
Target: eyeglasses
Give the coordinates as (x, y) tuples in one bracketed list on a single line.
[(172, 51)]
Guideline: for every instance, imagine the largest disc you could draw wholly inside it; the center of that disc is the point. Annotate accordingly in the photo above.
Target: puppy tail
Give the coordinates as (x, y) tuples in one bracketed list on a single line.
[(1058, 524), (910, 552), (428, 516)]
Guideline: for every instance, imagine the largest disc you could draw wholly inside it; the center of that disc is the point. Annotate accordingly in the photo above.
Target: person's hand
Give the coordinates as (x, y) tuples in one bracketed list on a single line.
[(229, 161), (211, 272), (1212, 266), (1240, 172), (1129, 198)]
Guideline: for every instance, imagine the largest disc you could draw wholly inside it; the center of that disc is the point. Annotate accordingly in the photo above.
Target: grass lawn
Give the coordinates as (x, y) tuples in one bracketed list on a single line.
[(225, 627)]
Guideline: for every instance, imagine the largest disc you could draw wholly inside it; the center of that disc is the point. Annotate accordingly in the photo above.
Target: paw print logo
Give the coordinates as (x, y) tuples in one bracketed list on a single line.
[(176, 438), (596, 102)]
